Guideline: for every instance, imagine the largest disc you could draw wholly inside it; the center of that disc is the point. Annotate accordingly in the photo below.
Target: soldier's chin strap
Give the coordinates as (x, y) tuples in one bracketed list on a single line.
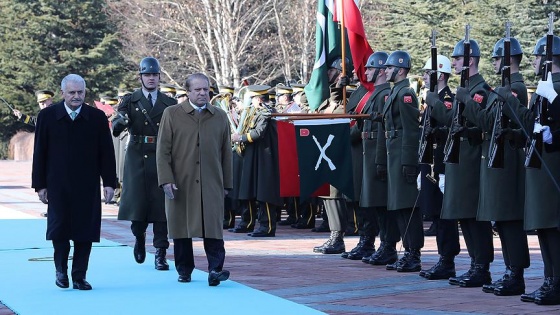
[(394, 74), (144, 85)]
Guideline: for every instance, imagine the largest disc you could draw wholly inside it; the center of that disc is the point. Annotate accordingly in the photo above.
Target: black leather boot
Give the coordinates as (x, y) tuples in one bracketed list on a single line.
[(388, 255), (457, 280), (479, 277), (375, 254), (550, 296), (319, 249), (443, 269), (355, 249), (367, 249), (161, 261), (337, 244), (489, 288), (530, 297), (140, 249), (412, 263), (513, 285)]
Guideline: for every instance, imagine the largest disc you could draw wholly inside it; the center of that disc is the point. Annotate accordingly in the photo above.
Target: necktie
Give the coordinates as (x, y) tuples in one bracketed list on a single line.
[(150, 99), (73, 115)]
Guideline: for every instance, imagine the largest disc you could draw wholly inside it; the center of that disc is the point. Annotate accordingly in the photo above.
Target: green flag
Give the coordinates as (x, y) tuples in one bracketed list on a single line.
[(328, 46)]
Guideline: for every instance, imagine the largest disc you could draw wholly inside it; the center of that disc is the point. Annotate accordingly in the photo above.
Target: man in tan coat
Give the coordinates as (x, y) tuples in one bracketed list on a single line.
[(194, 165)]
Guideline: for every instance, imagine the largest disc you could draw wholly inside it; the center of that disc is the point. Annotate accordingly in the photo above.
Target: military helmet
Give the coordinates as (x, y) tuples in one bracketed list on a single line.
[(337, 63), (377, 60), (459, 50), (515, 48), (443, 64), (149, 65), (540, 47), (399, 59)]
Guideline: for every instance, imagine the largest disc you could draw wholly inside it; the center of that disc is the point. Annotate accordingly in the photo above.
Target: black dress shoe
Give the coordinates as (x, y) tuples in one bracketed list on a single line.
[(215, 277), (530, 297), (62, 280), (185, 278), (261, 234), (81, 284), (140, 249), (160, 261), (240, 229)]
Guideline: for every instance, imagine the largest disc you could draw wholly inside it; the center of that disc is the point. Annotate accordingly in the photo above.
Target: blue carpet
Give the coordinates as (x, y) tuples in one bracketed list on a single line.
[(120, 286)]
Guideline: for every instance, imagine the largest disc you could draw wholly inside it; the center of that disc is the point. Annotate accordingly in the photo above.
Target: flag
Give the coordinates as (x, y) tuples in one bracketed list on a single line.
[(107, 109), (359, 46), (324, 155), (327, 46)]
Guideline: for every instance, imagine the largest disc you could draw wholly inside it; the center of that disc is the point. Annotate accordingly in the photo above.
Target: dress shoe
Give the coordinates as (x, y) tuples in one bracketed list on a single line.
[(262, 234), (479, 277), (412, 262), (160, 260), (550, 296), (184, 278), (319, 249), (81, 284), (442, 270), (457, 280), (215, 277), (240, 229), (385, 255), (530, 297), (336, 246), (512, 283), (62, 280), (140, 249)]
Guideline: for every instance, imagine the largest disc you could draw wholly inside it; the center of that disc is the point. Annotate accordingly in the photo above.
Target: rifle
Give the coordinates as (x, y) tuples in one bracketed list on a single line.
[(535, 143), (426, 148), (453, 144), (497, 142)]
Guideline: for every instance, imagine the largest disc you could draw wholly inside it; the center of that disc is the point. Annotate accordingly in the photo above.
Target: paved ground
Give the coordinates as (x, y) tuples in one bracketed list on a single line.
[(286, 266)]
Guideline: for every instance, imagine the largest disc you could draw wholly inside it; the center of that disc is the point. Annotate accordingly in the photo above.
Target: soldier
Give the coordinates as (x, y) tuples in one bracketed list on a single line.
[(431, 196), (168, 89), (502, 191), (460, 198), (142, 199), (44, 99), (120, 144), (400, 121), (542, 199), (260, 176), (181, 95)]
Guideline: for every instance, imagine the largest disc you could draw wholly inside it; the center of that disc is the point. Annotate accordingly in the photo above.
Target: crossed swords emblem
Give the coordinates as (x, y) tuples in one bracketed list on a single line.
[(323, 156)]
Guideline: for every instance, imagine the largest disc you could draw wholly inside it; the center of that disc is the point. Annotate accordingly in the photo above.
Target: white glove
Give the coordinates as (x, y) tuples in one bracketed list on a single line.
[(419, 182), (441, 183), (168, 190), (546, 135), (546, 89), (537, 128)]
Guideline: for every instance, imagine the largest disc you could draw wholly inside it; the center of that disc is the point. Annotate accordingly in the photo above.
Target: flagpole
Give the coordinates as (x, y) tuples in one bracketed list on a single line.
[(343, 47)]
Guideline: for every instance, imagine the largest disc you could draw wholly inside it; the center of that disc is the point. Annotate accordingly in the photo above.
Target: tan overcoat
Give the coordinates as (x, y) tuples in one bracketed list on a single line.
[(194, 152)]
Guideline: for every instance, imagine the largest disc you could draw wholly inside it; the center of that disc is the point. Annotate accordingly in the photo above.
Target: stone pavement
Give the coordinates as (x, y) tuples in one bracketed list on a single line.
[(287, 267)]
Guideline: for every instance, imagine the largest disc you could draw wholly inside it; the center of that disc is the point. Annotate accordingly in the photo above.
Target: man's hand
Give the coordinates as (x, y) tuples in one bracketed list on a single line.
[(546, 89), (168, 190), (504, 92), (463, 95), (43, 195), (17, 113), (546, 135), (236, 137), (108, 193), (343, 81), (382, 172), (431, 98), (410, 173)]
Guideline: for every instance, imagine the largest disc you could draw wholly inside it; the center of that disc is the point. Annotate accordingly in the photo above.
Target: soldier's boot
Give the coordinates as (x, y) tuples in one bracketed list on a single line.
[(457, 280), (229, 219), (355, 249), (248, 218), (412, 263), (386, 256), (160, 260), (337, 244), (550, 296), (396, 264), (140, 248), (367, 249), (530, 297), (513, 285), (489, 288), (375, 254), (443, 269), (319, 249), (307, 219), (479, 277)]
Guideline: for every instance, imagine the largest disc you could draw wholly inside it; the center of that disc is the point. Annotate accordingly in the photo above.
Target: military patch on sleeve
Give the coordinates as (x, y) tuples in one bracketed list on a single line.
[(478, 98), (407, 99), (448, 104)]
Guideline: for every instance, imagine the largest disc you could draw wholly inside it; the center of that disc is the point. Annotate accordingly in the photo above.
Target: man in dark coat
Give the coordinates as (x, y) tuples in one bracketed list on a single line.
[(73, 149), (142, 201)]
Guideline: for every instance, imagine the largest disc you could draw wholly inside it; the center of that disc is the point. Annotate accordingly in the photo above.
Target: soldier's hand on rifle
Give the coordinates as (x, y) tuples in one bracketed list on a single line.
[(168, 190), (419, 182), (546, 89), (381, 172), (504, 92), (17, 113), (463, 95), (410, 172), (431, 98)]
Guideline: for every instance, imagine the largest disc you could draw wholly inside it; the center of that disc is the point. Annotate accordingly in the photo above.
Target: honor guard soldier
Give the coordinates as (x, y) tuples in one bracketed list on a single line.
[(44, 99), (462, 184), (260, 178), (542, 199), (168, 89), (431, 193), (400, 122), (142, 199)]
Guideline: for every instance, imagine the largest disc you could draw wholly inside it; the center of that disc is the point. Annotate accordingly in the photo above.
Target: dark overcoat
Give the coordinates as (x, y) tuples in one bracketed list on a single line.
[(69, 159), (356, 141), (142, 199)]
